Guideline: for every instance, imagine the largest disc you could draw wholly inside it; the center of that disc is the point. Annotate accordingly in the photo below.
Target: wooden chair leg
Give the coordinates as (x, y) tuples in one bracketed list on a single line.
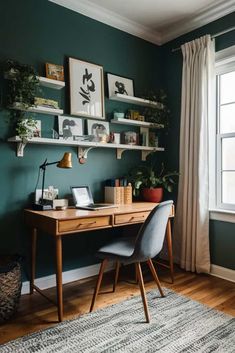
[(98, 283), (116, 275), (155, 276), (142, 290)]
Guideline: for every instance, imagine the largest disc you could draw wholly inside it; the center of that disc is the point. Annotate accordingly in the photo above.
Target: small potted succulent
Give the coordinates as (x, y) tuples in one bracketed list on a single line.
[(148, 183)]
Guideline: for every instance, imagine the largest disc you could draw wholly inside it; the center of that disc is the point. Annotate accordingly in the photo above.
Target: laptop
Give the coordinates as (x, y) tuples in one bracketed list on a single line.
[(83, 199)]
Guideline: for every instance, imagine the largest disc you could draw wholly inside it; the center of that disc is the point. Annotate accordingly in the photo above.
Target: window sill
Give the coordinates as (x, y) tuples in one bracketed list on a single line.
[(222, 215)]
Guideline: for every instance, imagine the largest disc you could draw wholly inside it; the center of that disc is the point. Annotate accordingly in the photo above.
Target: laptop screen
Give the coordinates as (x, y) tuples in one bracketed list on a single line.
[(82, 195)]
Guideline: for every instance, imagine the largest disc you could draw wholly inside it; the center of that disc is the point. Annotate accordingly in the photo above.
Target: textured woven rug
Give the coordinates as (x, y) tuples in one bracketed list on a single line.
[(178, 325)]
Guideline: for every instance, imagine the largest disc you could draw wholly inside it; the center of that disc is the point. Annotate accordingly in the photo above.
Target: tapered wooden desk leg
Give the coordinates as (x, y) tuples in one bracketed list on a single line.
[(169, 248), (33, 258), (59, 288)]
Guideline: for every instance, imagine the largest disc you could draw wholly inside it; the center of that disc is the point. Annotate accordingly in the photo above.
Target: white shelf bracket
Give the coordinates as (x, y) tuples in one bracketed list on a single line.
[(144, 155), (83, 153), (20, 149), (120, 152)]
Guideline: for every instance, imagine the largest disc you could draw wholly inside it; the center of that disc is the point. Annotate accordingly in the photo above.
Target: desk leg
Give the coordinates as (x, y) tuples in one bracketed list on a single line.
[(169, 248), (59, 288), (33, 257)]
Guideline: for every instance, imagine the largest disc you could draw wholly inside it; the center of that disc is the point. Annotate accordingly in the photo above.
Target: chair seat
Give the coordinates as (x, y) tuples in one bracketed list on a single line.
[(120, 248)]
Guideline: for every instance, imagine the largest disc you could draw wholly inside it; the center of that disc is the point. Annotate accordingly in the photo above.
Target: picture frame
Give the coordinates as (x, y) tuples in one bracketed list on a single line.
[(86, 89), (99, 130), (119, 84), (70, 128), (55, 72)]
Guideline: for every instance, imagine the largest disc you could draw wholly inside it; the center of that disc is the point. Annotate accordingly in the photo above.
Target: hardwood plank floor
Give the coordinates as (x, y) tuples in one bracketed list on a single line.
[(36, 313)]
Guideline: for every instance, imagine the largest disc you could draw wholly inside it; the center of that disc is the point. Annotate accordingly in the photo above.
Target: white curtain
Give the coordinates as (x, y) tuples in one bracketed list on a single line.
[(192, 215)]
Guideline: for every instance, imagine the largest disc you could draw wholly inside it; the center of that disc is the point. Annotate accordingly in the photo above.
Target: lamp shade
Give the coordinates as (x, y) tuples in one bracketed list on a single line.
[(66, 161)]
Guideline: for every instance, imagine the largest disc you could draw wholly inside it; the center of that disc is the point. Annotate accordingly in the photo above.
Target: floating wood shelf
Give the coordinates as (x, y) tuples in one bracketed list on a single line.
[(137, 123), (48, 82), (38, 109), (136, 100), (83, 146)]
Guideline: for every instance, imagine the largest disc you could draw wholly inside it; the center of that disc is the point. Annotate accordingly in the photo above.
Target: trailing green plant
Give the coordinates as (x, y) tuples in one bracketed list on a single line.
[(148, 176), (158, 114), (25, 128), (23, 85)]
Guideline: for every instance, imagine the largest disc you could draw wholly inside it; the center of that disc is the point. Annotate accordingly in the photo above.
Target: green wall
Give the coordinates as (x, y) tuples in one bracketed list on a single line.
[(35, 32), (39, 31), (222, 239)]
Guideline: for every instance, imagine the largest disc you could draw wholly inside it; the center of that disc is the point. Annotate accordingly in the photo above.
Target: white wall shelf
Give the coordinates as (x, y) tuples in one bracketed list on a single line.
[(135, 100), (43, 81), (123, 121), (83, 146), (38, 109), (48, 82)]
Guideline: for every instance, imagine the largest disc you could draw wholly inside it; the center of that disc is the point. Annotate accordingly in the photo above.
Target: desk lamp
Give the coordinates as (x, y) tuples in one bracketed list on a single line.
[(65, 162)]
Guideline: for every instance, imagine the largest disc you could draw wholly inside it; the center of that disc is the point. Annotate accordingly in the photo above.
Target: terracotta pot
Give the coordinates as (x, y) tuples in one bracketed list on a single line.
[(152, 195)]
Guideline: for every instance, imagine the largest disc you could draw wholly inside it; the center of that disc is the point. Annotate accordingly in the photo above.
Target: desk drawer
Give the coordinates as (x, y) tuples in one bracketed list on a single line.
[(137, 217), (83, 223)]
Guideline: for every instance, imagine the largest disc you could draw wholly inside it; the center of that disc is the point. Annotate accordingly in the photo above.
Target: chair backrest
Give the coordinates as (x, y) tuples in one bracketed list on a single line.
[(150, 238)]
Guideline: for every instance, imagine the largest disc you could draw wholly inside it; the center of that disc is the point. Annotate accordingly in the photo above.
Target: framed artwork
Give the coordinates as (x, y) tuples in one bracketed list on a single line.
[(70, 128), (98, 129), (118, 84), (55, 72), (86, 89)]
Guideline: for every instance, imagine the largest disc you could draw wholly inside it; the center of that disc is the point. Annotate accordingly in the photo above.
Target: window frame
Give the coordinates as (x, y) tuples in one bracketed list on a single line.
[(224, 63)]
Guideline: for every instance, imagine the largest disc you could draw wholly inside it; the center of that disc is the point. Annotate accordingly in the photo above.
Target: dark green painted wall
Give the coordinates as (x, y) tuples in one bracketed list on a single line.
[(38, 31), (35, 32), (222, 239)]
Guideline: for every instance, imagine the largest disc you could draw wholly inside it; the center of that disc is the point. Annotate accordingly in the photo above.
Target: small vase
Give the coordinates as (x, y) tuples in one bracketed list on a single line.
[(152, 194)]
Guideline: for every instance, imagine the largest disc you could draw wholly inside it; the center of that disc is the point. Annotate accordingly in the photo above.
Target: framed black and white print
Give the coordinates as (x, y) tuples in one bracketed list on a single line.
[(119, 84), (86, 89), (70, 128), (99, 130)]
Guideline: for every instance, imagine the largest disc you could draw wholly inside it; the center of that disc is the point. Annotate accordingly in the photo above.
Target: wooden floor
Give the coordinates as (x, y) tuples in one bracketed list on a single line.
[(37, 313)]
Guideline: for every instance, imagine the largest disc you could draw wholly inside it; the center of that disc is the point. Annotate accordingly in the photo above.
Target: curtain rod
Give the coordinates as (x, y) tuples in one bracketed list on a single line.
[(213, 36)]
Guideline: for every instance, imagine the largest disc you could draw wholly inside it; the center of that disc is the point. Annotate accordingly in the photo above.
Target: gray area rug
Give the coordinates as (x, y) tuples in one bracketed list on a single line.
[(178, 325)]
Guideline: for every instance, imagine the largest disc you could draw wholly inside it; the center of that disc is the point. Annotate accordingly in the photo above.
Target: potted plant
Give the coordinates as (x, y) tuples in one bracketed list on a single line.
[(22, 87), (149, 183)]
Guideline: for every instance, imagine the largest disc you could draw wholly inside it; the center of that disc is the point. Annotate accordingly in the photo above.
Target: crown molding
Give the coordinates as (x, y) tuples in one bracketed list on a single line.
[(110, 18), (207, 15), (98, 13)]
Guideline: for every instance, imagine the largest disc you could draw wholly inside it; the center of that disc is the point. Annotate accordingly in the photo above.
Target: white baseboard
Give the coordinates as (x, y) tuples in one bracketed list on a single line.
[(223, 272), (68, 276)]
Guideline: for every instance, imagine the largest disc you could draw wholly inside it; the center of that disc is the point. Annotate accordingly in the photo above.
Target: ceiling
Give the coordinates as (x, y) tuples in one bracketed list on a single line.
[(157, 21)]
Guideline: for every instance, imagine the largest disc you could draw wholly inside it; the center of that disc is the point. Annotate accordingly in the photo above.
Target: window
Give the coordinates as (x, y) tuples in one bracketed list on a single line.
[(225, 134)]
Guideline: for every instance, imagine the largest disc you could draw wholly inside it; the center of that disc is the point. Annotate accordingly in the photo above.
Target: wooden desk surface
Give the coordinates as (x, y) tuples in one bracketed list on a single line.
[(73, 220)]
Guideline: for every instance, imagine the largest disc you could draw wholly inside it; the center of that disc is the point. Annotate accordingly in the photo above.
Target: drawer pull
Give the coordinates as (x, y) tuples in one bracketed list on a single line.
[(86, 224), (137, 218)]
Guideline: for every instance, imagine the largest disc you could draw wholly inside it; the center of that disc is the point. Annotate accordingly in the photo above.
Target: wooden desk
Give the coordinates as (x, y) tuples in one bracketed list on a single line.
[(72, 221)]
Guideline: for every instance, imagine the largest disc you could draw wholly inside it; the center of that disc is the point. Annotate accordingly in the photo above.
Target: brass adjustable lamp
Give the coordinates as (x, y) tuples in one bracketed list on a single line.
[(65, 162)]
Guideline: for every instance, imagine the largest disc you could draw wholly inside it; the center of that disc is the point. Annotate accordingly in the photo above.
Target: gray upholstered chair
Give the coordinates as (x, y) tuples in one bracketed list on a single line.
[(142, 248)]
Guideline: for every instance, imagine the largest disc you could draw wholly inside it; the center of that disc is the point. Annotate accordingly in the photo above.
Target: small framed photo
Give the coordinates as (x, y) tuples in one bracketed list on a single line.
[(119, 84), (86, 89), (55, 72), (130, 138), (98, 129), (70, 128)]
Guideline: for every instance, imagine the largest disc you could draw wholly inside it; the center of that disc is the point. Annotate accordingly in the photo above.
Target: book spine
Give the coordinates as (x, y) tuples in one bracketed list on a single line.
[(128, 194)]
